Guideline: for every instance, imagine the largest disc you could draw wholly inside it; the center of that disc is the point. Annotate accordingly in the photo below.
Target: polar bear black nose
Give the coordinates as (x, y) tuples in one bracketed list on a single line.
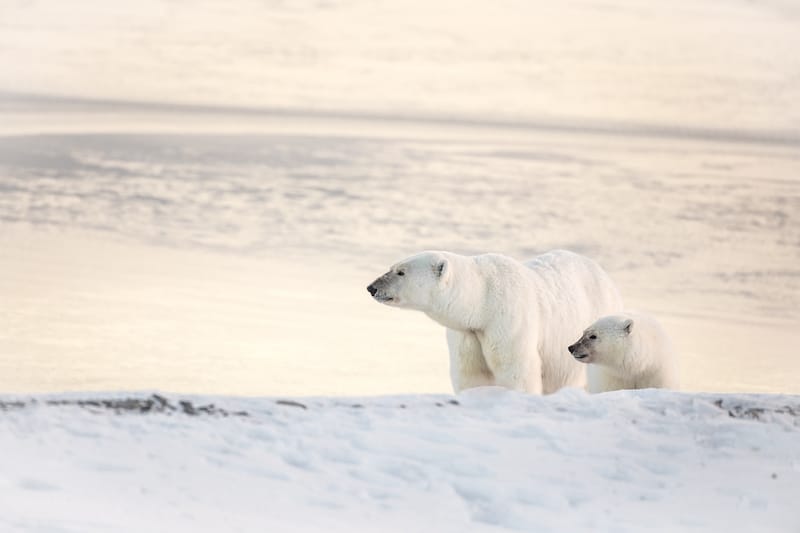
[(571, 349), (372, 289)]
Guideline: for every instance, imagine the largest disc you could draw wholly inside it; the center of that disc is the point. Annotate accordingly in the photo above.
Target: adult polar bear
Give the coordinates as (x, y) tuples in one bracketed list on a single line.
[(508, 323)]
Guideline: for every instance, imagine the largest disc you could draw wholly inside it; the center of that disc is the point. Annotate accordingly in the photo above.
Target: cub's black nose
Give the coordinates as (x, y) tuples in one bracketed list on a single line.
[(571, 349), (372, 290)]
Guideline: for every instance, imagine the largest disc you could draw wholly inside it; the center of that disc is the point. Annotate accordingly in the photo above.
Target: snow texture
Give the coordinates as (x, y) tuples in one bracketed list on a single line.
[(486, 460)]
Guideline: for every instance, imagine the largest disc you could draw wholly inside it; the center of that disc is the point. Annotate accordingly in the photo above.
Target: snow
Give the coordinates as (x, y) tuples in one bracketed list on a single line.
[(487, 460)]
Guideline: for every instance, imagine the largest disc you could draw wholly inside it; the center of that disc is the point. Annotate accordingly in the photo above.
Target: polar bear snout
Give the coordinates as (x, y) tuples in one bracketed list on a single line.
[(378, 290), (375, 290), (579, 352)]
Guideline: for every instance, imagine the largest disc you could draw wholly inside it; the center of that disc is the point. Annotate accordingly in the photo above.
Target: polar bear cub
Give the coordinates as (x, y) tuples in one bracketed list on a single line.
[(627, 351), (507, 322)]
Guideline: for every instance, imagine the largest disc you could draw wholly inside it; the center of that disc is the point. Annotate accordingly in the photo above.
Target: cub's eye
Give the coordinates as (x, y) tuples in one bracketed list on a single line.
[(401, 273), (593, 337)]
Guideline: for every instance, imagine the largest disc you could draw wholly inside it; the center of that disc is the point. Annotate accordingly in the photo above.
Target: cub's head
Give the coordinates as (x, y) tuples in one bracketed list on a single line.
[(413, 283), (604, 342)]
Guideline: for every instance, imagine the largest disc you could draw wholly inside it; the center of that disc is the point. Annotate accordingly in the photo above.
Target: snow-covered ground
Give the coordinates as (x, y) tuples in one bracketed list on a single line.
[(487, 460)]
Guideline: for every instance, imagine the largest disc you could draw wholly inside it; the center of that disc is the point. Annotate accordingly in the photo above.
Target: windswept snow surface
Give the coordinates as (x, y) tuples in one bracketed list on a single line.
[(487, 460)]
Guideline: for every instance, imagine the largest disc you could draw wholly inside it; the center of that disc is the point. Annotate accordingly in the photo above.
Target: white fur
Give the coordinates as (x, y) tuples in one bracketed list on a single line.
[(638, 356), (508, 323)]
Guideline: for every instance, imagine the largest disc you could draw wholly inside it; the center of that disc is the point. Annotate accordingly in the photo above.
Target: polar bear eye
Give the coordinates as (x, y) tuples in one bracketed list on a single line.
[(593, 337), (401, 273)]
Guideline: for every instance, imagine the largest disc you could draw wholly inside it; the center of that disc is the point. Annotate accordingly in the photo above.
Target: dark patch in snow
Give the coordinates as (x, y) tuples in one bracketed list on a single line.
[(153, 404), (6, 406), (756, 413), (291, 403)]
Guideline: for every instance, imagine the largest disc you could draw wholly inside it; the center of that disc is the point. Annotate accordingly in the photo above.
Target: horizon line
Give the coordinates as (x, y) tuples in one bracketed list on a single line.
[(575, 126)]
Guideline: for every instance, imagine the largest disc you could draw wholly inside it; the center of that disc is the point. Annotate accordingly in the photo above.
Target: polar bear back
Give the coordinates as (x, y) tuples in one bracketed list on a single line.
[(569, 291)]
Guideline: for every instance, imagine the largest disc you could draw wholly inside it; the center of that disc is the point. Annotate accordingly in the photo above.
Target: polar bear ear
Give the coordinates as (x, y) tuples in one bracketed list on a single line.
[(442, 269), (627, 326)]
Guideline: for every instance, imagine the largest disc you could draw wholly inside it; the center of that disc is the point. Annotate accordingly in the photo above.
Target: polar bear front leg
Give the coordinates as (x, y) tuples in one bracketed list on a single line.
[(515, 363), (467, 365)]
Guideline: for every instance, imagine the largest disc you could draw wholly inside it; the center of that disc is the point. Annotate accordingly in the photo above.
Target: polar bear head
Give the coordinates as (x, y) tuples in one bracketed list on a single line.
[(414, 283), (605, 342)]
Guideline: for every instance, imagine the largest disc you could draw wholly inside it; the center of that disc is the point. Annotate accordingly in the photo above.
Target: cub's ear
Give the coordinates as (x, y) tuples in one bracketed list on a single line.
[(442, 269), (627, 326)]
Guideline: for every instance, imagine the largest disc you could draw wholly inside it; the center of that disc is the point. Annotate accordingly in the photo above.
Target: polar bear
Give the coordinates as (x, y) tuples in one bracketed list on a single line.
[(627, 351), (507, 322)]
